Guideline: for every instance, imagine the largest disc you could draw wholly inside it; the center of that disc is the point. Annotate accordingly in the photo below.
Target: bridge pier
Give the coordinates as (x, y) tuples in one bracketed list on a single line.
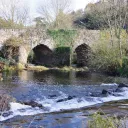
[(23, 55)]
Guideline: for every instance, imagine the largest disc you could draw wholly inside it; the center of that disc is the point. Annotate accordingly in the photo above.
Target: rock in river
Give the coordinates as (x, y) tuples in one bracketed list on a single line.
[(66, 99), (5, 102), (121, 85), (33, 104), (105, 92)]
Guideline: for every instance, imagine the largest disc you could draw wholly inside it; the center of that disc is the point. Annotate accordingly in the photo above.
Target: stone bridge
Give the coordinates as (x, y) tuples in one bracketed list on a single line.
[(43, 47)]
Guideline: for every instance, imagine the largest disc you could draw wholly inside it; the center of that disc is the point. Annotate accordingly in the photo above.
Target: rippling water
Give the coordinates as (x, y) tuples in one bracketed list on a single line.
[(49, 88)]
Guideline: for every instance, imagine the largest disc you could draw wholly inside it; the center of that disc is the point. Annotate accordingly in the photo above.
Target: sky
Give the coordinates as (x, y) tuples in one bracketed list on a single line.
[(76, 4)]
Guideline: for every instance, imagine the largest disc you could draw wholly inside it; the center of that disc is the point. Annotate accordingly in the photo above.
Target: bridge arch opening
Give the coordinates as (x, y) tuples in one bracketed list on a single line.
[(40, 55), (83, 55)]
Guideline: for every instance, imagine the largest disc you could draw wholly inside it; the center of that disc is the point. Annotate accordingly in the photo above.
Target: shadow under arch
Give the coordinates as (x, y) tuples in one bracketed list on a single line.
[(41, 55), (83, 55)]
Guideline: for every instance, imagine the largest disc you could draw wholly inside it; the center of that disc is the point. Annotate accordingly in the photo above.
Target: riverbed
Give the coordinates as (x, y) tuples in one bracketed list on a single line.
[(68, 98)]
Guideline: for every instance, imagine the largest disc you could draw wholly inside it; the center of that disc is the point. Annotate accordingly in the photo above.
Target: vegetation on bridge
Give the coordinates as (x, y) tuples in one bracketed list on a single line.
[(64, 40), (63, 37)]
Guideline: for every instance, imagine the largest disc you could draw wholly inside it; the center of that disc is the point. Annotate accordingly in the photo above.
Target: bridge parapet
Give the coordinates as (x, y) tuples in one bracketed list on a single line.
[(88, 37), (7, 33)]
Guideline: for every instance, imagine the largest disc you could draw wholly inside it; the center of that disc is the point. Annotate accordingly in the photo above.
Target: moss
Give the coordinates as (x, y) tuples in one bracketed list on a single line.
[(18, 67), (62, 37), (68, 69), (37, 68), (8, 68)]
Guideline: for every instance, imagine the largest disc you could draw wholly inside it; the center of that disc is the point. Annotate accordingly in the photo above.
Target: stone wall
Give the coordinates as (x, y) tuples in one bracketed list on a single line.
[(62, 56), (23, 54), (7, 33), (47, 56)]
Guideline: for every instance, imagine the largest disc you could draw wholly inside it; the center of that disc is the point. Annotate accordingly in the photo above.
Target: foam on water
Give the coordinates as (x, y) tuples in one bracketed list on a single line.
[(52, 105), (110, 84)]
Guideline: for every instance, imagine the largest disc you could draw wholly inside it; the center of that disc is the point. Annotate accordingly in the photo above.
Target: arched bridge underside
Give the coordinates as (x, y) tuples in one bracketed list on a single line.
[(44, 52), (60, 56)]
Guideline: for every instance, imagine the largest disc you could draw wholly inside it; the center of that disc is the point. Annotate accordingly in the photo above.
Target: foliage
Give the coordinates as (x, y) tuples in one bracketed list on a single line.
[(60, 50), (37, 68), (14, 41), (104, 15), (99, 121), (40, 22), (107, 56), (123, 71), (8, 24), (62, 37), (55, 12), (10, 49), (90, 21), (62, 21)]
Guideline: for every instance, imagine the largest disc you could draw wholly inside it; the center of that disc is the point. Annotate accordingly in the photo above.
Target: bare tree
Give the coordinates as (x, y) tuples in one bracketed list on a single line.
[(14, 11), (115, 14), (53, 10)]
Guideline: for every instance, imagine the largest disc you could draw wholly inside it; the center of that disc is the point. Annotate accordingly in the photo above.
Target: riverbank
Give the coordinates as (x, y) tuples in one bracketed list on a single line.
[(31, 67)]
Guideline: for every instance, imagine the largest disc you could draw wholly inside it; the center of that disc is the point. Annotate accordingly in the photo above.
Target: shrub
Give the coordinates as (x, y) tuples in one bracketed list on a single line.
[(107, 56), (99, 121)]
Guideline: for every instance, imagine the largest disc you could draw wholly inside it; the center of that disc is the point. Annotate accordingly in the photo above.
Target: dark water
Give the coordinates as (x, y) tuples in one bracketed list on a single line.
[(41, 86)]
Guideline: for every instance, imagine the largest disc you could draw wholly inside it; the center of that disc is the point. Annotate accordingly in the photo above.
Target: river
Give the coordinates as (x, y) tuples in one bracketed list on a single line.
[(68, 98)]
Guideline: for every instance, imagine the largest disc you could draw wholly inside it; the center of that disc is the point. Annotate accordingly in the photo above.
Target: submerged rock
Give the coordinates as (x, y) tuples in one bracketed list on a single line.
[(66, 99), (5, 102), (52, 96), (33, 104)]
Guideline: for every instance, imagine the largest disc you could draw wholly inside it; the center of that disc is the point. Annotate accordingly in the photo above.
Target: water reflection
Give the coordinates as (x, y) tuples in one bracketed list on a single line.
[(63, 78), (69, 78)]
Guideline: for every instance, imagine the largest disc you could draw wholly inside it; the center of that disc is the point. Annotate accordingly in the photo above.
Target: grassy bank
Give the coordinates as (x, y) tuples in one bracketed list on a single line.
[(75, 69)]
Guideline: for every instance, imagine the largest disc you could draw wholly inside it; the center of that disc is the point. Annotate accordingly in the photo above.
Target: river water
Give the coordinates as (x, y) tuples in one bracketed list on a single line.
[(52, 89)]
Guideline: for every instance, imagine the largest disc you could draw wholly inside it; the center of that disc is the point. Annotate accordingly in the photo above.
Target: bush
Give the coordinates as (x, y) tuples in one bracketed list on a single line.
[(90, 21), (107, 56), (99, 121)]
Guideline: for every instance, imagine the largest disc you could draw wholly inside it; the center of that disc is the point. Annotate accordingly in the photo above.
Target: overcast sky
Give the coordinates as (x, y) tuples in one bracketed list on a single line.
[(77, 4)]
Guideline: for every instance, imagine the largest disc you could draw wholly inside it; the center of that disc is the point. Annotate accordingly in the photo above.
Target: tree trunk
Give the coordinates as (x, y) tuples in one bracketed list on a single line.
[(71, 54)]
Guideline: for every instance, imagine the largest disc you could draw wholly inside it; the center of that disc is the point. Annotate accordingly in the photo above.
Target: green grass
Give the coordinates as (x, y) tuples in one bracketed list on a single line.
[(37, 68), (68, 69)]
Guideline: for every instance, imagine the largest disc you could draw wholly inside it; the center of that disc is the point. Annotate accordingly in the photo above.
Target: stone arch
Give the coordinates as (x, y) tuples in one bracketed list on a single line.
[(83, 55), (42, 55)]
